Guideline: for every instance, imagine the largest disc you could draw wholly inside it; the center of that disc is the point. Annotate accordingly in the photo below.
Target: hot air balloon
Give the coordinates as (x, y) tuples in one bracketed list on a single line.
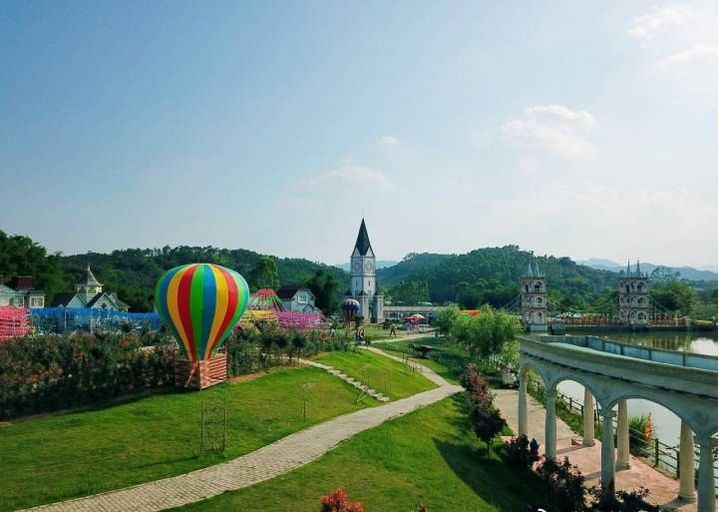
[(201, 303), (350, 307)]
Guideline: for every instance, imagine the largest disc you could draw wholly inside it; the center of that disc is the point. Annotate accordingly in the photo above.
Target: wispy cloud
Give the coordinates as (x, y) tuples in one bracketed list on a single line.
[(553, 129), (387, 140), (358, 176), (696, 52), (660, 20)]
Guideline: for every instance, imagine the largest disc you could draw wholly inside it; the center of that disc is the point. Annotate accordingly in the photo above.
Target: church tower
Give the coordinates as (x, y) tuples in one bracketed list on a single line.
[(534, 299), (634, 296), (362, 274)]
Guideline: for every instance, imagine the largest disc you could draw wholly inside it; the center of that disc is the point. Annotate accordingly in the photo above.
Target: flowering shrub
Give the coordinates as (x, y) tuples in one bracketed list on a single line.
[(486, 421), (566, 483), (520, 453), (43, 373), (338, 501)]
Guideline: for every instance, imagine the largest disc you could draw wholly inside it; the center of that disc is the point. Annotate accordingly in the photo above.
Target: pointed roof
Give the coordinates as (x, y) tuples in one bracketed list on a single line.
[(639, 270), (90, 279), (530, 272), (537, 272), (362, 244)]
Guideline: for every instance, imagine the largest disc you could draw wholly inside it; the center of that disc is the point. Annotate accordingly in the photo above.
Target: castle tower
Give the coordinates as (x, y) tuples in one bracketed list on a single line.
[(88, 287), (534, 299), (363, 281), (634, 296)]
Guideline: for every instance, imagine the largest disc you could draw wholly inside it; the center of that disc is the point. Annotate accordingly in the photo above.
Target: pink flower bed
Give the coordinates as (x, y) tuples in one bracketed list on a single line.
[(301, 321)]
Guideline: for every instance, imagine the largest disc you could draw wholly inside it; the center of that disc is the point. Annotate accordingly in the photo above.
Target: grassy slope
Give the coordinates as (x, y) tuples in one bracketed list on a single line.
[(428, 456), (84, 453), (400, 381)]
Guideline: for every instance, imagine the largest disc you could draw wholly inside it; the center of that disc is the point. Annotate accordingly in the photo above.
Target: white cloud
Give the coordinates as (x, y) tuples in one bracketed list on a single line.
[(696, 52), (387, 140), (359, 176), (553, 129), (660, 20)]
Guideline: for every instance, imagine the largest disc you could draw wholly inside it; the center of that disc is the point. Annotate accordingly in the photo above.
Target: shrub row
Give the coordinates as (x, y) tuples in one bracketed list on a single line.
[(45, 373)]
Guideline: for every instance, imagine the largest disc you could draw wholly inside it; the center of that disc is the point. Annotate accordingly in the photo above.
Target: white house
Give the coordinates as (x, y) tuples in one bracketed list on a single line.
[(297, 299)]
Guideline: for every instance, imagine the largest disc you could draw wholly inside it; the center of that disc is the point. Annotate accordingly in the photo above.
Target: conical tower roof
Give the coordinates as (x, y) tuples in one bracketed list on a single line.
[(90, 279), (362, 244), (529, 272)]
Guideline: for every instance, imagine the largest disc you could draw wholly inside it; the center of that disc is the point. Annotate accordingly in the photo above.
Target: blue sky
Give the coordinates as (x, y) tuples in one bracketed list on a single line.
[(585, 129)]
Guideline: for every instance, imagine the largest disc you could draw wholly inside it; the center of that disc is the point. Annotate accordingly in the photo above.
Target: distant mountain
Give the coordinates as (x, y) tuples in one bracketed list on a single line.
[(391, 275), (380, 264), (689, 273)]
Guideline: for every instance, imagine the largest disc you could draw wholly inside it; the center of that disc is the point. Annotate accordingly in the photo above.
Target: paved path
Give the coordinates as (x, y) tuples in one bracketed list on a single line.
[(349, 380), (273, 460), (663, 489), (417, 367)]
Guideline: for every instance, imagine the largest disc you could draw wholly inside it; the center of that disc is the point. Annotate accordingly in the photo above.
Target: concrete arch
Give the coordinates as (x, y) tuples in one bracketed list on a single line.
[(579, 380), (700, 424)]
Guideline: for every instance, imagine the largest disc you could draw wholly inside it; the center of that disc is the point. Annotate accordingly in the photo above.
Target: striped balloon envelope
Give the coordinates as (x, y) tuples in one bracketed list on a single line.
[(201, 303)]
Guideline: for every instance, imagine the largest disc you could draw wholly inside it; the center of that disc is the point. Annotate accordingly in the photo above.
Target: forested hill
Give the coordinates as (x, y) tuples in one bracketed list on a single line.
[(132, 273), (492, 275)]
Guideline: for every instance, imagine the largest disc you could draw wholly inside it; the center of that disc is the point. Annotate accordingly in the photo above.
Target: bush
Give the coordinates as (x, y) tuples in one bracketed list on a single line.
[(621, 501), (45, 373), (566, 483), (638, 444), (486, 421), (338, 501), (520, 453)]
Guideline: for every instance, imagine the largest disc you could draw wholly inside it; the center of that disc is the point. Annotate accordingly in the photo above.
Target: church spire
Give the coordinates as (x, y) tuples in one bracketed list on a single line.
[(362, 244)]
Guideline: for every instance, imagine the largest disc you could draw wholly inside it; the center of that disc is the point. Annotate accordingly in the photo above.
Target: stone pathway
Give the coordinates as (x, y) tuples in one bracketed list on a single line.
[(431, 375), (270, 461), (357, 384), (663, 488)]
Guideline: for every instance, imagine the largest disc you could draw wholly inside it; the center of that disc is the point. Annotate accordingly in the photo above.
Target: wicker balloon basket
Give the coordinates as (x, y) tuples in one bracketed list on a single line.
[(200, 374)]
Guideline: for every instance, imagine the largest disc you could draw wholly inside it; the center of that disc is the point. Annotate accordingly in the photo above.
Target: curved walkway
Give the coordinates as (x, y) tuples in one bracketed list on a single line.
[(273, 460)]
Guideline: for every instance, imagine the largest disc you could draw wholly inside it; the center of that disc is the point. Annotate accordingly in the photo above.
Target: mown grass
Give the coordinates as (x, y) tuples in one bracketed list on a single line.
[(75, 454), (429, 456), (389, 377)]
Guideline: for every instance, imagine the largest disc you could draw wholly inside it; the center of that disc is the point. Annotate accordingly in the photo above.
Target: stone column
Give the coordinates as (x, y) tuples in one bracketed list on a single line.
[(687, 492), (622, 436), (608, 449), (522, 412), (550, 427), (588, 414), (705, 494)]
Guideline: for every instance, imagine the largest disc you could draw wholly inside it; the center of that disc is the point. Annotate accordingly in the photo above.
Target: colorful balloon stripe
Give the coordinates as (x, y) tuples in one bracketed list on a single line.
[(201, 303)]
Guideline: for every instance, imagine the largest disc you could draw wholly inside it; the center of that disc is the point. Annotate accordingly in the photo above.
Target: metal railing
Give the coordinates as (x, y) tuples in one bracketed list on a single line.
[(655, 452)]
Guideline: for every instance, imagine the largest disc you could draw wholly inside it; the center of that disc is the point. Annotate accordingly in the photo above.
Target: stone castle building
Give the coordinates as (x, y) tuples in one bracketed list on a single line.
[(534, 299), (363, 282), (634, 296)]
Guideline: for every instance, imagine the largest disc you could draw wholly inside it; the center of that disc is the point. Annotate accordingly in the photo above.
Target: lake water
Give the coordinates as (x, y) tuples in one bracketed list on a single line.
[(666, 424)]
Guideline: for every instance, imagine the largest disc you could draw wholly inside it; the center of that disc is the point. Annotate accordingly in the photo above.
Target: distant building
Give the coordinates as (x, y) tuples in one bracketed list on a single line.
[(89, 294), (362, 279), (297, 299), (22, 294), (634, 296), (534, 299)]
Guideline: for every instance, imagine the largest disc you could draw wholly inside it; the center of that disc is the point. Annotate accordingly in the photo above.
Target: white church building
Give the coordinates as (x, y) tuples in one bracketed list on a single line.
[(363, 286)]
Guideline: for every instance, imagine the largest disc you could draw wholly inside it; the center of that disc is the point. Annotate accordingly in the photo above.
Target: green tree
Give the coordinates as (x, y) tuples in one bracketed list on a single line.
[(410, 292), (264, 274), (675, 296), (486, 333), (20, 256), (325, 286)]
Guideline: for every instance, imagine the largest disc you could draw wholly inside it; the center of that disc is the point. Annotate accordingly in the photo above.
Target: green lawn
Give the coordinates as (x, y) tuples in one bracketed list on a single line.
[(389, 377), (70, 455), (428, 456)]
